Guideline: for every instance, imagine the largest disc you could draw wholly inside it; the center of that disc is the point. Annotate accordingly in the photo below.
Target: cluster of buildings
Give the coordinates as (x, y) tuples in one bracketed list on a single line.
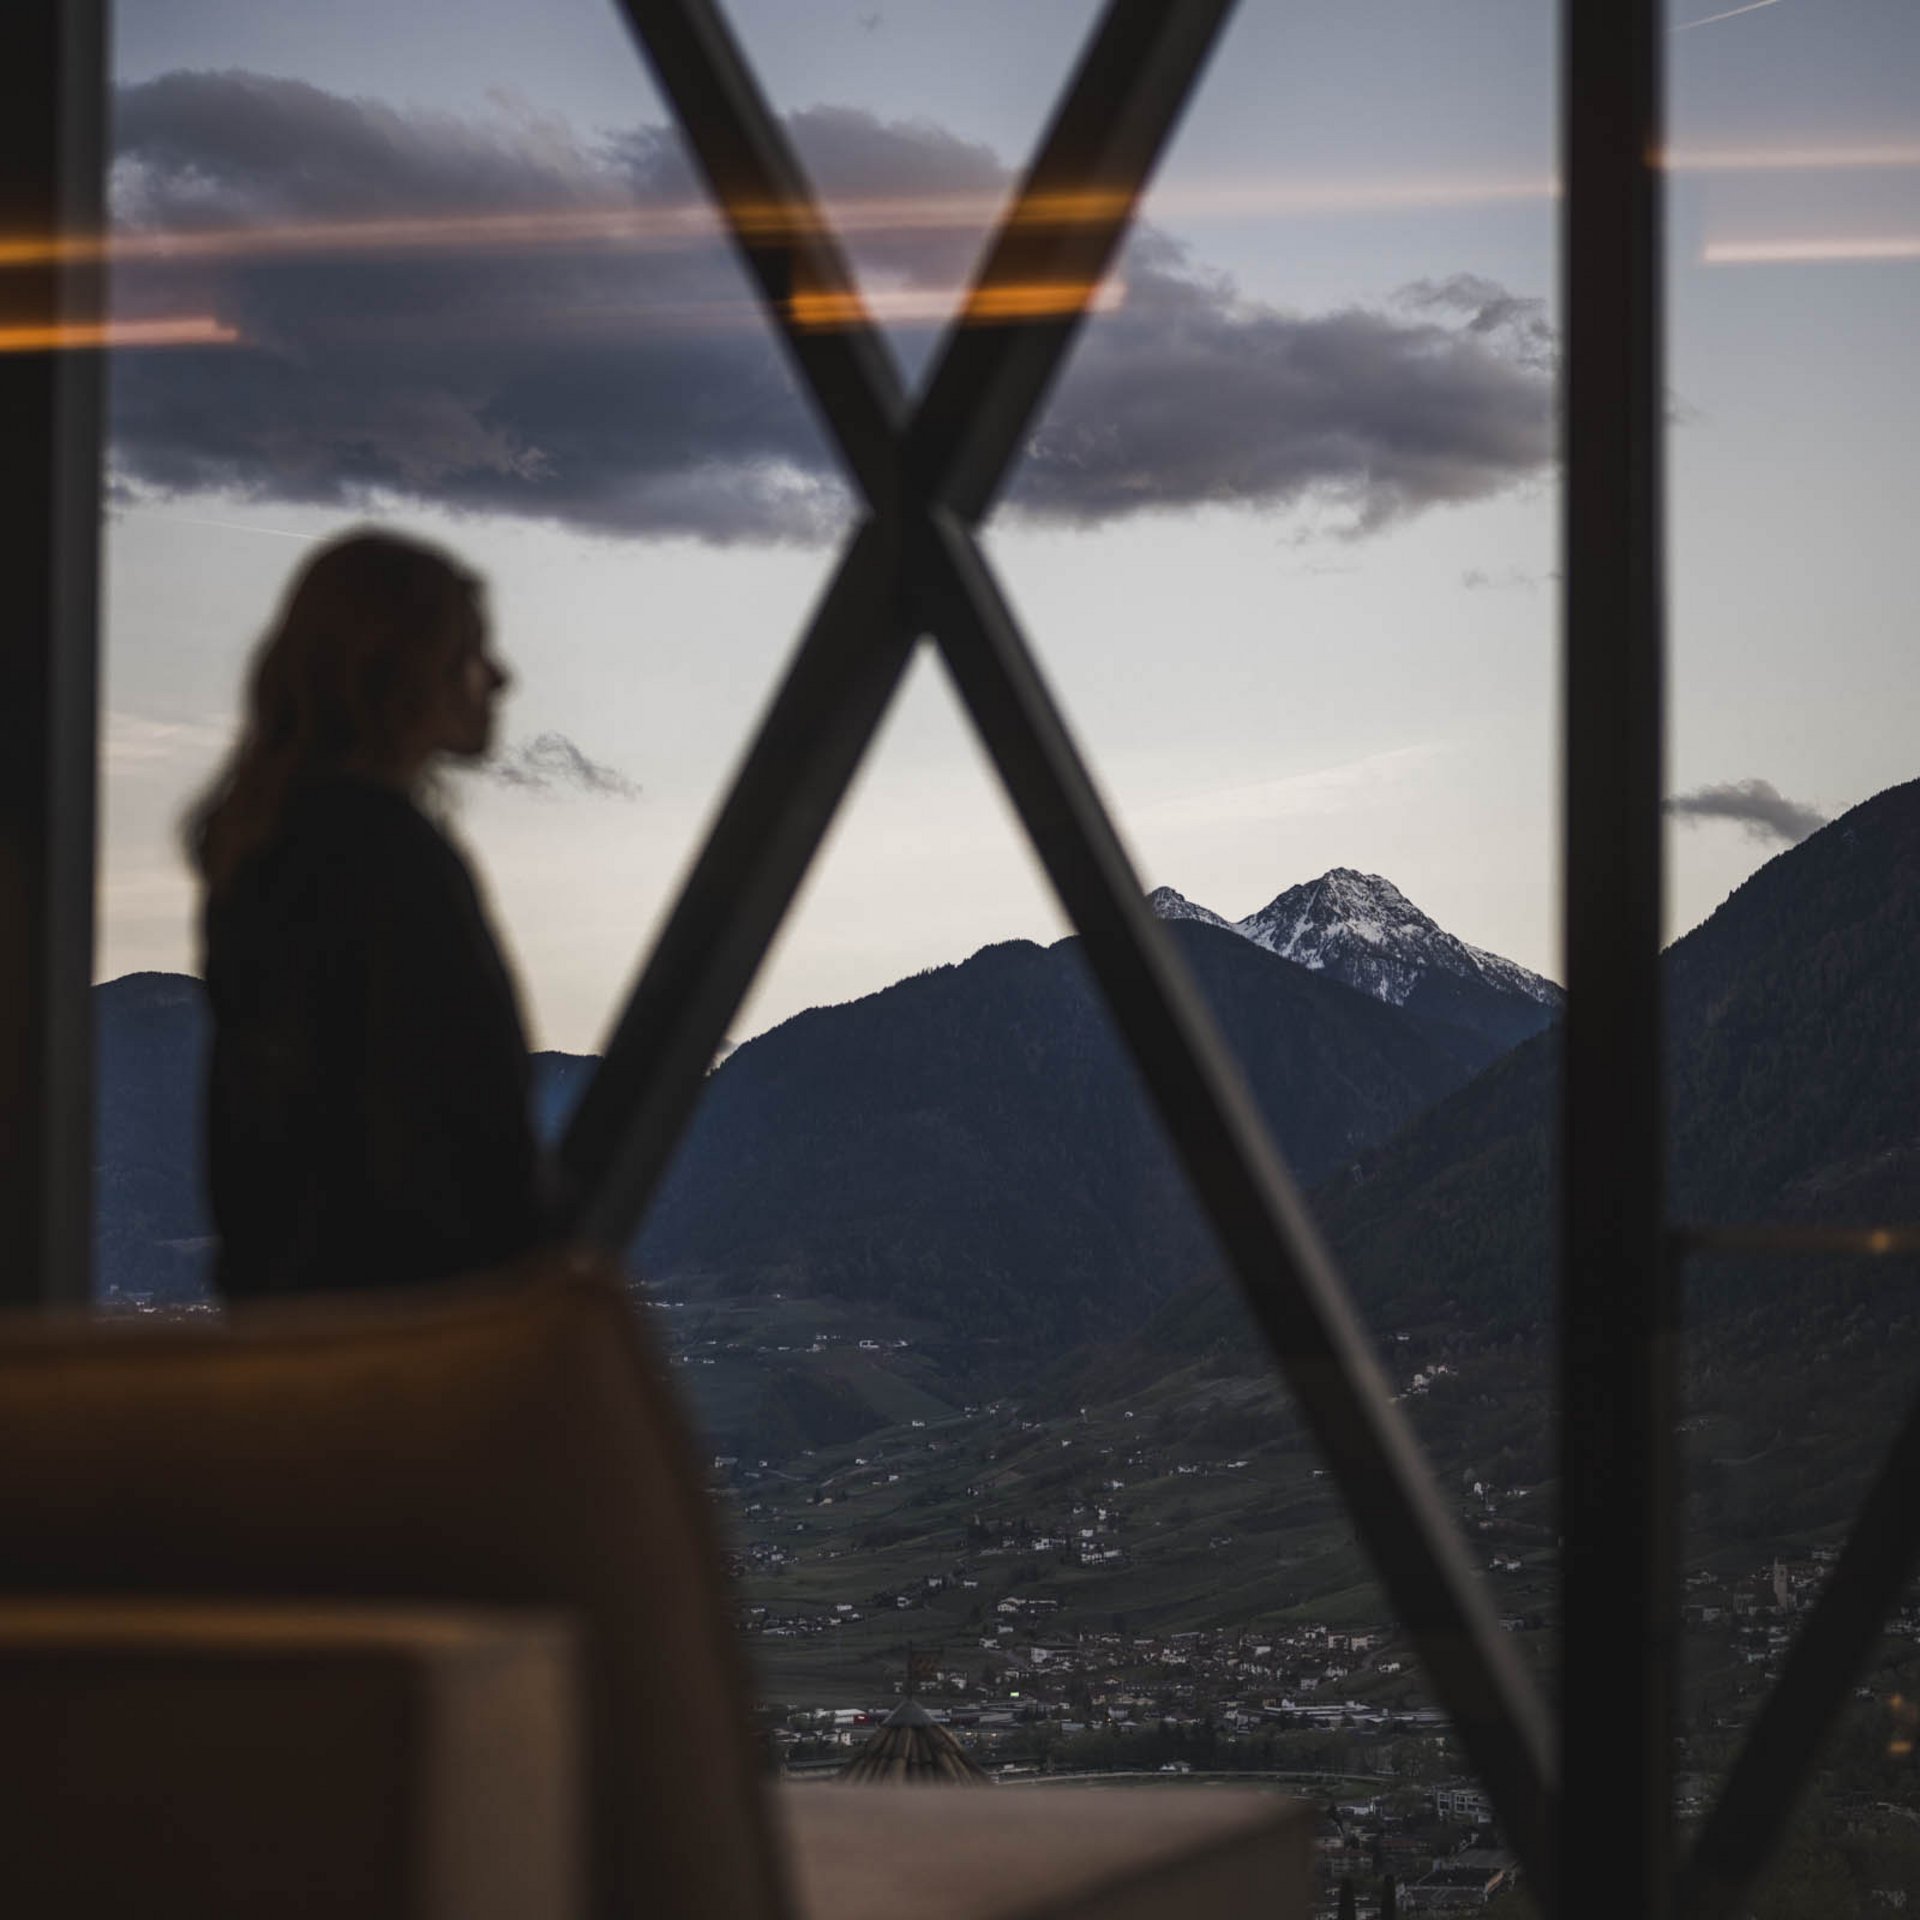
[(1435, 1845), (1034, 1675), (992, 1533), (1749, 1619)]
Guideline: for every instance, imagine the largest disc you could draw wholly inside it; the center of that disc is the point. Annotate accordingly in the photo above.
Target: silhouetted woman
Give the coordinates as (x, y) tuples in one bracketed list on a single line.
[(367, 1109)]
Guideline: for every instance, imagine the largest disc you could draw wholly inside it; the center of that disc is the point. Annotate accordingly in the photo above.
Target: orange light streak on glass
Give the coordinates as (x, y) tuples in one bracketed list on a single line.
[(1313, 198), (1789, 159), (510, 232), (682, 224), (1762, 253), (692, 222), (1038, 299), (1017, 300), (186, 330), (925, 213)]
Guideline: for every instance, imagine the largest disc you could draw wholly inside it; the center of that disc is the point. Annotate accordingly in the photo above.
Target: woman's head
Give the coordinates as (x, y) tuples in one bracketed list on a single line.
[(376, 663)]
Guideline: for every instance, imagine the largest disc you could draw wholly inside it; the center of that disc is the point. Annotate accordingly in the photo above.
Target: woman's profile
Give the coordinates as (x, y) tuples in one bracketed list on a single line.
[(367, 1099)]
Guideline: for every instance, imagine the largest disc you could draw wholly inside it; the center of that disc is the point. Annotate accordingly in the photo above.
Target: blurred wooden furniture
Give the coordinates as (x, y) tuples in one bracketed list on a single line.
[(513, 1446), (1045, 1853), (225, 1759)]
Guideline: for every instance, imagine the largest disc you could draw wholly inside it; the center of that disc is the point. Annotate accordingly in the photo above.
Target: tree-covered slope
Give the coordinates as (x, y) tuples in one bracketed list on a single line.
[(974, 1140), (1794, 1075)]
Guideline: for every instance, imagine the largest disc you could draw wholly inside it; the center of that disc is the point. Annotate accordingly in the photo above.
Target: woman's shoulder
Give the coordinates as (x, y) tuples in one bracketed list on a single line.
[(350, 800), (343, 814), (357, 848)]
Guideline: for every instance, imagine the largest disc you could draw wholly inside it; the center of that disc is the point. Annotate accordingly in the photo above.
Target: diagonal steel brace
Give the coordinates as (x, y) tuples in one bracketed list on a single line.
[(915, 565), (1881, 1553)]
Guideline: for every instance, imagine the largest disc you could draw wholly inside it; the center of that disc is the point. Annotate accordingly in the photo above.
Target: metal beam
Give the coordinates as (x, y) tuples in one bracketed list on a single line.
[(1136, 70), (1063, 230), (1757, 1801), (638, 1103), (771, 216), (52, 104), (1617, 1285), (1291, 1284)]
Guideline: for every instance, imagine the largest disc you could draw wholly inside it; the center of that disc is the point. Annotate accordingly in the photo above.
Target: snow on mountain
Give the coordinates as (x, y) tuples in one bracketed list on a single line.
[(1364, 931), (1168, 905)]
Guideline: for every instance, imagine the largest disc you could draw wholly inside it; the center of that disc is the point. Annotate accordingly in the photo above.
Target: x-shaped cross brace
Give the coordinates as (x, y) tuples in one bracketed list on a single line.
[(915, 567)]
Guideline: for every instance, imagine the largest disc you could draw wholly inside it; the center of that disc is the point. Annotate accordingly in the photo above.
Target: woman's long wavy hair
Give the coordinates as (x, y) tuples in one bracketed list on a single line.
[(343, 680)]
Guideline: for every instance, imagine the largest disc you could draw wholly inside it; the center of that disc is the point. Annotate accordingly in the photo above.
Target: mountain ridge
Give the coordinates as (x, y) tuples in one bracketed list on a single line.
[(965, 1158), (1793, 1050), (975, 1133), (980, 1126), (1351, 923), (1359, 928)]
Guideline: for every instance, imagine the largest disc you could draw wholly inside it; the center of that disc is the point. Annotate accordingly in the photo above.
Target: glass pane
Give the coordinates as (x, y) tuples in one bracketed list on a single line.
[(1791, 320), (1286, 542), (1285, 535), (1794, 830)]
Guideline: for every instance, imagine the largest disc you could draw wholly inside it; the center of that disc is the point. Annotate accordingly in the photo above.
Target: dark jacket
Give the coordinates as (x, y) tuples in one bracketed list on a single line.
[(367, 1109)]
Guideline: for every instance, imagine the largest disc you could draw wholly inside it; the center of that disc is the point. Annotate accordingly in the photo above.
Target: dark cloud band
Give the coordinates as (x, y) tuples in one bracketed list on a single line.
[(637, 390)]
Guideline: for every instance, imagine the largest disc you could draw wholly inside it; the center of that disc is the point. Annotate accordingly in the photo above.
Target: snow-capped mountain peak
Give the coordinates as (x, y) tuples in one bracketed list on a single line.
[(1341, 912), (1360, 928)]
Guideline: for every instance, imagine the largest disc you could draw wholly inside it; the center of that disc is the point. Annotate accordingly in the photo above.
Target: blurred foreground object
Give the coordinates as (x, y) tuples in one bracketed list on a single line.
[(507, 1445), (227, 1758)]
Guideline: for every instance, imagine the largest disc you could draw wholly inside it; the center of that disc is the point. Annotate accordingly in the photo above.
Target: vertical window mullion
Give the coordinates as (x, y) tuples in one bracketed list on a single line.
[(51, 185), (1618, 1330)]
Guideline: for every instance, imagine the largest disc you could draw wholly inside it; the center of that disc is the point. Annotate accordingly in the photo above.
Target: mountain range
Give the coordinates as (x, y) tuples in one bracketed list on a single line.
[(973, 1143), (1792, 1063), (1361, 929), (890, 1215), (966, 1157), (1792, 1060), (969, 1146)]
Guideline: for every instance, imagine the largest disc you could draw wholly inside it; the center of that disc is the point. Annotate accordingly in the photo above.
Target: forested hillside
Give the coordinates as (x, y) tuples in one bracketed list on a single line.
[(1794, 1059), (973, 1144), (1794, 1073)]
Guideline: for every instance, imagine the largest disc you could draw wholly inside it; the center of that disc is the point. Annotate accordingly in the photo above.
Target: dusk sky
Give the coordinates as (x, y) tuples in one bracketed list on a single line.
[(1285, 540)]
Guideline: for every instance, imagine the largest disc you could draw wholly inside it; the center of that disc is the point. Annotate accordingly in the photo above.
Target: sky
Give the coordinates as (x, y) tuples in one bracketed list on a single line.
[(1284, 539)]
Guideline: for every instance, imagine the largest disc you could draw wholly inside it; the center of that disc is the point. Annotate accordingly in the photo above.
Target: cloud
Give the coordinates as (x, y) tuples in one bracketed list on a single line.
[(1518, 323), (1189, 395), (635, 390), (550, 763), (1760, 808)]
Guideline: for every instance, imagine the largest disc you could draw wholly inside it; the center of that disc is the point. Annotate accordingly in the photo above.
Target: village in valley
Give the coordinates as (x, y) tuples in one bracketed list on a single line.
[(1108, 1592)]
